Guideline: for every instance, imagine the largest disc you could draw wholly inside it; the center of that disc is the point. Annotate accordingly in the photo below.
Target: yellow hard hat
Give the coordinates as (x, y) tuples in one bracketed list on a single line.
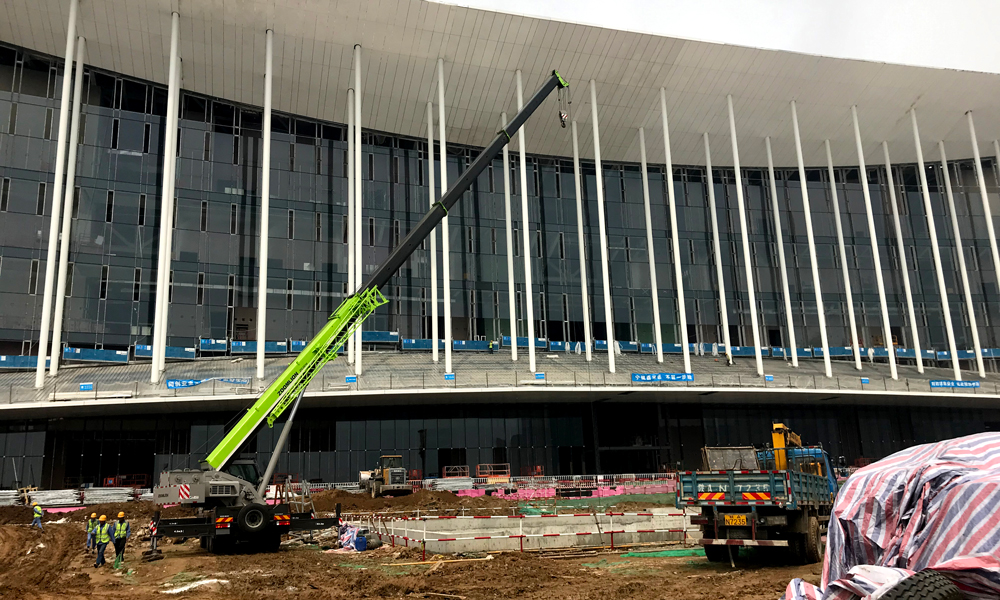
[(121, 515), (103, 518), (34, 504), (93, 515)]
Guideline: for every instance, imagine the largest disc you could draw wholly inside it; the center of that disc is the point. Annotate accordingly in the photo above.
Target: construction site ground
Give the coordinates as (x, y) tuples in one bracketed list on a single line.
[(54, 564)]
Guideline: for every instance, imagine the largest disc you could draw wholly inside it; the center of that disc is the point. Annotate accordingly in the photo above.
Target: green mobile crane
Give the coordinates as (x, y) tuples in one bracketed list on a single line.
[(229, 492)]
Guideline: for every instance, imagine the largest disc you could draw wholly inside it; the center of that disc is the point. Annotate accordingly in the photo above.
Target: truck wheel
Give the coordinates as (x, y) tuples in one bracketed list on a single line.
[(925, 585), (717, 553), (252, 518), (813, 542)]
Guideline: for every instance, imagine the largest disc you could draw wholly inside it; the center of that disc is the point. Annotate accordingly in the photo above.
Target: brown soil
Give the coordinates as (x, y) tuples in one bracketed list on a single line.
[(139, 513), (422, 500), (61, 569)]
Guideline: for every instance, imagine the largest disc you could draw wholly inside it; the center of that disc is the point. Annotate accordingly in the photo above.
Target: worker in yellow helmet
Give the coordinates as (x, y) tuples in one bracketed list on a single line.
[(102, 535), (91, 526), (36, 516), (122, 531)]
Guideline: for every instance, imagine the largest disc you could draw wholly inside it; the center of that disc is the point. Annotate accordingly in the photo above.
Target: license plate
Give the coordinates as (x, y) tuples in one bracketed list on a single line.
[(735, 520)]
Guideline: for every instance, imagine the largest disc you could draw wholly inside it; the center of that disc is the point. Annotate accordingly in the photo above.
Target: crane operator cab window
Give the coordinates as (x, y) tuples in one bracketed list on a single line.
[(245, 470)]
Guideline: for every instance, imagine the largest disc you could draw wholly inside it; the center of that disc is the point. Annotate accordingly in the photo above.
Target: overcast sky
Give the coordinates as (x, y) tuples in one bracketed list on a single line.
[(957, 34)]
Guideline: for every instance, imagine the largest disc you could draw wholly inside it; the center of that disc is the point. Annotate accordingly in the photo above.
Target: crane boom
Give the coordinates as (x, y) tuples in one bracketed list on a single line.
[(352, 312)]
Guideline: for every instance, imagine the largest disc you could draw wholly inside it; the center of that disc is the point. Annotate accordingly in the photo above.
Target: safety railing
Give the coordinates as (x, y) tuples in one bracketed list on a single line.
[(71, 389)]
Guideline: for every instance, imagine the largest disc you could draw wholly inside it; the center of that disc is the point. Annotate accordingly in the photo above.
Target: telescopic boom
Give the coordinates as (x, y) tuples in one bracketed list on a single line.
[(347, 319)]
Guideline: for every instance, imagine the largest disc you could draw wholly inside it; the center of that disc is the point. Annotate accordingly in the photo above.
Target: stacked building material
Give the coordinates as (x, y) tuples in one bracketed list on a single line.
[(453, 484), (55, 497), (105, 495), (9, 498)]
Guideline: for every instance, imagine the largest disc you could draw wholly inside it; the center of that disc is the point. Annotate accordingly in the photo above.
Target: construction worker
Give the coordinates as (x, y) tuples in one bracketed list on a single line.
[(36, 516), (91, 526), (122, 532), (102, 535)]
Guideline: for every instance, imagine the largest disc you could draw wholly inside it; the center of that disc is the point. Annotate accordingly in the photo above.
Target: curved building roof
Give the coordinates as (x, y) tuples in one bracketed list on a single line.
[(222, 48)]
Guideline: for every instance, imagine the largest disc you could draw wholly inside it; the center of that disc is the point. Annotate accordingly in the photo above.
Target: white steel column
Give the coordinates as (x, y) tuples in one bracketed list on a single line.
[(171, 210), (820, 312), (50, 256), (717, 249), (935, 250), (789, 319), (754, 325), (960, 251), (446, 232), (674, 233), (434, 234), (358, 188), (657, 336), (843, 256), (585, 296), (265, 205), (876, 258), (987, 212), (901, 251), (166, 214), (67, 210), (609, 319), (350, 209), (526, 239)]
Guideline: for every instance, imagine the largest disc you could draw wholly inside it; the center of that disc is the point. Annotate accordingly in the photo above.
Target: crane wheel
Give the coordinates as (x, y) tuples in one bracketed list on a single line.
[(252, 518)]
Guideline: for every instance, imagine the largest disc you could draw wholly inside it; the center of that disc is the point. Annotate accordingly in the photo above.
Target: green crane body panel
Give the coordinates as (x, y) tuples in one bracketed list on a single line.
[(297, 375), (354, 310)]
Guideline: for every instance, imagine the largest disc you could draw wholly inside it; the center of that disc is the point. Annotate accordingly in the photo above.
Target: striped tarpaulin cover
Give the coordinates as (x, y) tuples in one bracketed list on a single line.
[(935, 506)]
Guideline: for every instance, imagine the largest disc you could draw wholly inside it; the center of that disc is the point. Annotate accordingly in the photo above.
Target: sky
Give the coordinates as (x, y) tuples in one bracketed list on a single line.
[(954, 34)]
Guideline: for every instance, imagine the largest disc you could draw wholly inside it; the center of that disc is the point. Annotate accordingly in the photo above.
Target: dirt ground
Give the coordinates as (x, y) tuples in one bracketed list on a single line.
[(53, 564), (424, 500)]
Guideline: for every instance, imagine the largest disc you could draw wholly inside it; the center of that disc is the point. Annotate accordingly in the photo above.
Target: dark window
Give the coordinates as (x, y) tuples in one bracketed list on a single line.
[(233, 219), (114, 134), (395, 169), (346, 229), (110, 208), (135, 284), (346, 165), (204, 215), (291, 156), (33, 278), (104, 282), (517, 248), (493, 240), (231, 297), (538, 243), (395, 233), (40, 201), (236, 149), (319, 227), (371, 167), (173, 222), (76, 202), (562, 245), (4, 194), (371, 231), (47, 134), (319, 159), (69, 279), (628, 251), (170, 286), (489, 173), (470, 241), (288, 295), (316, 299), (201, 288), (12, 121), (142, 209), (291, 224), (177, 143), (206, 151), (83, 128), (145, 137)]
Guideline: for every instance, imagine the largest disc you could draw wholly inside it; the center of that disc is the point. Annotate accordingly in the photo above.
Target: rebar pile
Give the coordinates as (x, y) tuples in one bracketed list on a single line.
[(452, 484), (55, 497), (106, 495), (9, 498)]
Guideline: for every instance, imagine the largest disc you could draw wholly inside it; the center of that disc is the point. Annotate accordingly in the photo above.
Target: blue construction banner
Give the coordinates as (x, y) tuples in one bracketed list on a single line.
[(662, 376), (951, 383), (173, 384)]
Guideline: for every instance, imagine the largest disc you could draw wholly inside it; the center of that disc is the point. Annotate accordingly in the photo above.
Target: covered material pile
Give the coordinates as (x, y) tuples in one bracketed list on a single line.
[(927, 507)]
